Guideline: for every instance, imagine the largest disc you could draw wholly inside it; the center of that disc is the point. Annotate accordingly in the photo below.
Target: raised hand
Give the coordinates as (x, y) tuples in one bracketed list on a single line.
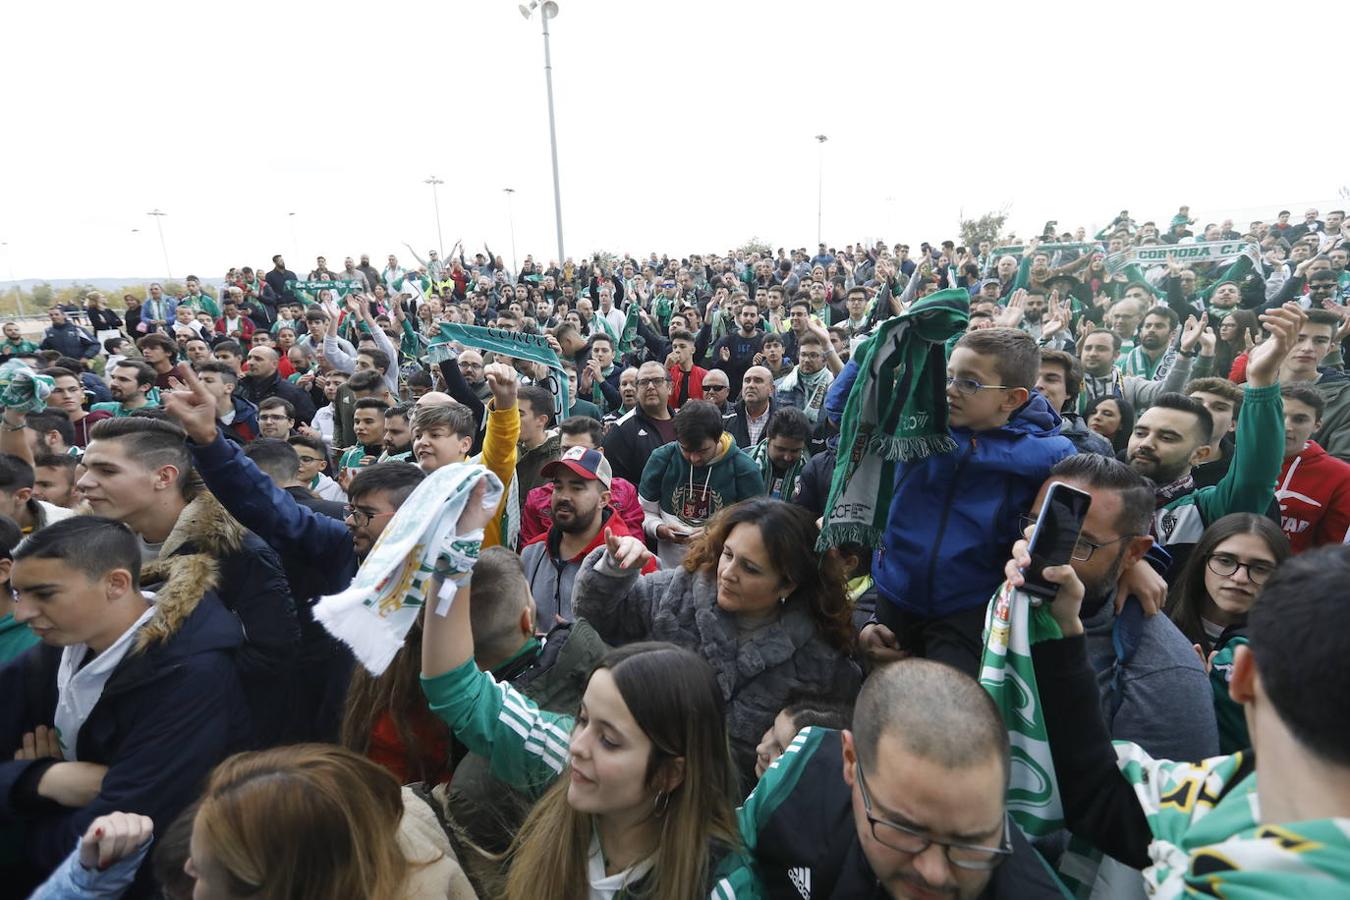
[(1263, 362), (475, 517), (191, 405), (501, 379), (1011, 317), (626, 551), (1192, 332), (1058, 318)]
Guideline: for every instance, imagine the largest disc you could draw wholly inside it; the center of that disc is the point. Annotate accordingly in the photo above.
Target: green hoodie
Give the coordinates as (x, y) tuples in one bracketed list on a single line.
[(677, 494)]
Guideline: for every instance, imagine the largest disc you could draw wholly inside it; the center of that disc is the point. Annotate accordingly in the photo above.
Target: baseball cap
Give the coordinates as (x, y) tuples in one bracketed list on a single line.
[(989, 281), (584, 461)]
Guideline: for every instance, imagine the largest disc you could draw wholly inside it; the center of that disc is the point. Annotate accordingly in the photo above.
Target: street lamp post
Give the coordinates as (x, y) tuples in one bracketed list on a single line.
[(511, 220), (159, 224), (436, 202), (820, 181), (548, 10)]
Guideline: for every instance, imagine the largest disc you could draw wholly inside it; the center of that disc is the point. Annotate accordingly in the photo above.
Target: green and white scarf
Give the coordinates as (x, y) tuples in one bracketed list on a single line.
[(307, 292), (373, 615), (896, 411), (515, 344), (1136, 362), (791, 478), (1011, 625), (22, 388), (1207, 841), (1203, 252)]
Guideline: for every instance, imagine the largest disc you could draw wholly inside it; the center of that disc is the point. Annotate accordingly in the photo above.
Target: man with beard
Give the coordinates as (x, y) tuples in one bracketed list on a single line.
[(1176, 433), (736, 353), (1153, 688), (581, 516), (1101, 378), (1152, 357), (130, 382)]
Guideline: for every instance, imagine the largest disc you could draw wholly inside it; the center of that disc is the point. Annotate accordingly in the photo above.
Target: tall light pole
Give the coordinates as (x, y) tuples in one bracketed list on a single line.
[(159, 224), (436, 202), (18, 289), (820, 181), (511, 219), (548, 10)]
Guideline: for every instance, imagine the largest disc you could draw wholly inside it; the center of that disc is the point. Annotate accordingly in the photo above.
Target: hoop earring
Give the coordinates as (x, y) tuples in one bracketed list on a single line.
[(660, 803)]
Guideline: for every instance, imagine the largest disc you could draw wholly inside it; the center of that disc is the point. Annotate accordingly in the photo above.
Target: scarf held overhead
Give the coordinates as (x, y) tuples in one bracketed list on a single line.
[(1204, 252), (374, 614), (515, 344), (896, 411)]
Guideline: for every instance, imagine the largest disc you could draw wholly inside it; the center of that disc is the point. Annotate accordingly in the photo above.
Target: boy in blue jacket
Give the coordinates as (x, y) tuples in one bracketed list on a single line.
[(954, 514)]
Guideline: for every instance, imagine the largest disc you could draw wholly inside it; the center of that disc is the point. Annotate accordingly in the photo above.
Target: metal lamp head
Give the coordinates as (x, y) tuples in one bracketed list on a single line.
[(526, 10), (550, 9)]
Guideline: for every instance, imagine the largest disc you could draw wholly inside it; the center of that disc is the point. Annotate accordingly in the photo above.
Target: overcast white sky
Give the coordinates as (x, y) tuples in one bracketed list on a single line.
[(682, 126)]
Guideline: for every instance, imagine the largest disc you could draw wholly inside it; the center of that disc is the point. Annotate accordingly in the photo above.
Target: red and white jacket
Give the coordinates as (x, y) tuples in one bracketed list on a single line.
[(1314, 495)]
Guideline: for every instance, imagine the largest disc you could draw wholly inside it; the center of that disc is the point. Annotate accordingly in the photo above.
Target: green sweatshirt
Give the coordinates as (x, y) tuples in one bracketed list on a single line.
[(691, 496)]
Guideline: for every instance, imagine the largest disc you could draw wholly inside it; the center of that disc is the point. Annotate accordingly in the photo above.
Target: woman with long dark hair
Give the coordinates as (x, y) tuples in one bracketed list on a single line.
[(752, 597), (1112, 418), (635, 792), (1210, 601), (1238, 332)]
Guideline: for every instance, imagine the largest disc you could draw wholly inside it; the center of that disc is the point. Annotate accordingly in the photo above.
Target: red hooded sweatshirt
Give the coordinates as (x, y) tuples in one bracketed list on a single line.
[(1314, 495)]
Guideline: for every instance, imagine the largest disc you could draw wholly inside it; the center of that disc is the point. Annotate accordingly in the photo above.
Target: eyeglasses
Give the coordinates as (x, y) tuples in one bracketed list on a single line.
[(268, 417), (653, 382), (360, 517), (971, 387), (1223, 564), (908, 840), (311, 459), (1083, 550)]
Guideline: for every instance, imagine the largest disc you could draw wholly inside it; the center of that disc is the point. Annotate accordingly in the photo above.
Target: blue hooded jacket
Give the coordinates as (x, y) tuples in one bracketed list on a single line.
[(954, 516), (167, 715)]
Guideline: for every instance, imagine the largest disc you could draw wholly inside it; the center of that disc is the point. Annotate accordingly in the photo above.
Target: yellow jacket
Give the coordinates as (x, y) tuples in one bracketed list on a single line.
[(499, 455)]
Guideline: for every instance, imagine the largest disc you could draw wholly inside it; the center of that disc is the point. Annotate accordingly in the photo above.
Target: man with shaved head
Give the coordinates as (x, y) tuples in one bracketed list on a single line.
[(922, 777), (263, 380), (749, 416)]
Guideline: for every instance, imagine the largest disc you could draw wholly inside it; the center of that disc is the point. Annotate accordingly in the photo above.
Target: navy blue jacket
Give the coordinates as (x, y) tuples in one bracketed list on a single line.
[(167, 715), (316, 550), (954, 516), (318, 557), (71, 340)]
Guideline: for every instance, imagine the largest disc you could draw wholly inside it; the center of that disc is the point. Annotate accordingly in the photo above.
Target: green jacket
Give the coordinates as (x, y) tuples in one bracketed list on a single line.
[(528, 748), (1249, 485), (553, 674)]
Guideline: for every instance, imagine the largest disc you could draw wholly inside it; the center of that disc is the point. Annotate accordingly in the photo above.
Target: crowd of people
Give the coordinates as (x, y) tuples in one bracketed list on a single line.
[(656, 683)]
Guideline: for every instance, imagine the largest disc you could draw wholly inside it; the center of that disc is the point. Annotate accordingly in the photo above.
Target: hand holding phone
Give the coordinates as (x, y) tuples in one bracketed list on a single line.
[(1056, 533)]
